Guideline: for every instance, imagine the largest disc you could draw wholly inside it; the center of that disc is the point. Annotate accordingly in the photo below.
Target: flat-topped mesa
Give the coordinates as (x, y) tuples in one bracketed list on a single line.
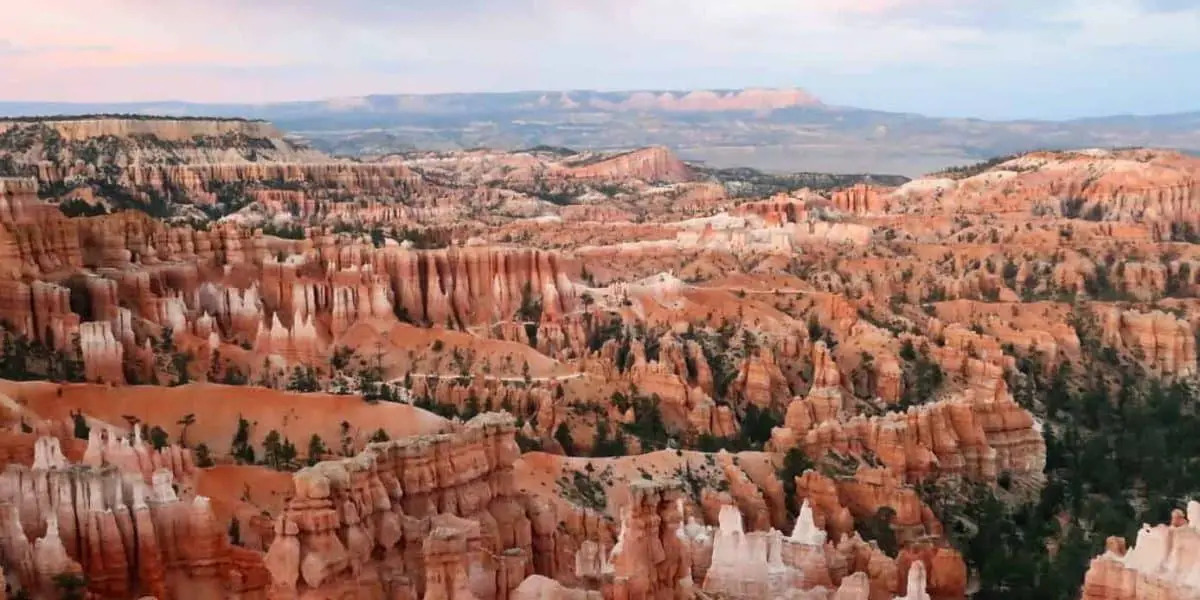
[(750, 99), (163, 128), (1164, 563), (128, 536), (425, 514)]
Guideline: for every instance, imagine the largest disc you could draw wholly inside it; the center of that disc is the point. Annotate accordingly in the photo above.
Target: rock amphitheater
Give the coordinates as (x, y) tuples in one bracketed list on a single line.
[(529, 375)]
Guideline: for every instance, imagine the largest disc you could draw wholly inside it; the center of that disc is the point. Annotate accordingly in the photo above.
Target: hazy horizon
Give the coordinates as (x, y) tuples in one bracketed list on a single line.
[(1052, 59), (332, 99)]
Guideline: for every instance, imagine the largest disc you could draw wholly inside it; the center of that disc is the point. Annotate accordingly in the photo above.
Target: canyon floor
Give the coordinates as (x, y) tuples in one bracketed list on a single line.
[(236, 367)]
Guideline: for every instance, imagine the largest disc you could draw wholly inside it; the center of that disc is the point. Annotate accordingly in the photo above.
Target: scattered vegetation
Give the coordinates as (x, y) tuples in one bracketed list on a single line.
[(585, 490), (25, 359), (751, 183), (1121, 451)]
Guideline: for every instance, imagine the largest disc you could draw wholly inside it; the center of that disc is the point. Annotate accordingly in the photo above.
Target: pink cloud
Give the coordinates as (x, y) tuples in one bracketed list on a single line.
[(116, 33)]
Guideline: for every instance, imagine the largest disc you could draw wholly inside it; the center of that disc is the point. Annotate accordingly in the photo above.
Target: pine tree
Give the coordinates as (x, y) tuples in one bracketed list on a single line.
[(273, 449), (241, 449), (316, 449), (563, 436), (159, 438), (82, 430)]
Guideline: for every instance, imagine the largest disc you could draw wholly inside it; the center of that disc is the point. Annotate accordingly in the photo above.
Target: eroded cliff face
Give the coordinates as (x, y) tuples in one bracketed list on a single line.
[(1149, 186), (123, 529), (951, 438), (432, 516), (225, 287), (183, 130), (1161, 564), (1162, 342)]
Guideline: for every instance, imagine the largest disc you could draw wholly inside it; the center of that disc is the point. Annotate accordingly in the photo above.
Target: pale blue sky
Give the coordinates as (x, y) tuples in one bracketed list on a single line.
[(986, 58)]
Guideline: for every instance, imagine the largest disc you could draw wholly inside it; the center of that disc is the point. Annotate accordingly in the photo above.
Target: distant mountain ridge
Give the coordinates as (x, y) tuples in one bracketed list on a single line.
[(770, 129), (717, 100)]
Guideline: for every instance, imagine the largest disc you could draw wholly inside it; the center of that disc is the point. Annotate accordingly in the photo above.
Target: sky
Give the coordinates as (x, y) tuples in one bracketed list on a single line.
[(978, 58)]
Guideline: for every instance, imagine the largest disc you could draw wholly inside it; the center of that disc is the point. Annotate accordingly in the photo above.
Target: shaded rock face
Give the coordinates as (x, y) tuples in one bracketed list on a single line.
[(430, 516), (1161, 564)]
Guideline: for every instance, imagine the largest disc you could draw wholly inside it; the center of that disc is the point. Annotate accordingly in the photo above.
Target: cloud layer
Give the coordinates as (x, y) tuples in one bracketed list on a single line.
[(1016, 58)]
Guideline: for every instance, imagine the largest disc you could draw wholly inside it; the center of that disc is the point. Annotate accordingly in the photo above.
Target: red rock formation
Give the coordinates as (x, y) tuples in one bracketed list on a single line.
[(766, 565), (475, 286), (18, 199), (649, 164), (103, 355), (1161, 563), (1156, 187), (649, 559), (126, 537), (537, 587), (945, 570), (1162, 342), (423, 515), (761, 382), (977, 440), (861, 199)]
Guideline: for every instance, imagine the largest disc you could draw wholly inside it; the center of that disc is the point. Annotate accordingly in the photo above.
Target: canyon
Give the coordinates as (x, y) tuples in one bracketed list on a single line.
[(237, 367)]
